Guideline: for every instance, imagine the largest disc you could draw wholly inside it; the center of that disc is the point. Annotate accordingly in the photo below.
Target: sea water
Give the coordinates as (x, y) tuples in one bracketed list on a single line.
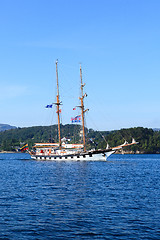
[(116, 199)]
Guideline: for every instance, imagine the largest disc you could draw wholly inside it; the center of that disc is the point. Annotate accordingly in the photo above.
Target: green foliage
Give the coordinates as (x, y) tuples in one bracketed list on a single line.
[(149, 140)]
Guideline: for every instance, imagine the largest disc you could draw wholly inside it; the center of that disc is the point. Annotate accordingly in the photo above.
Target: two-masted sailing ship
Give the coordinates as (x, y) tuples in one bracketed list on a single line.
[(63, 151)]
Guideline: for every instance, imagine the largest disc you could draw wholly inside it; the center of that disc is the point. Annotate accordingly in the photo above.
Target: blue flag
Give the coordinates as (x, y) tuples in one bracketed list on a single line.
[(49, 106)]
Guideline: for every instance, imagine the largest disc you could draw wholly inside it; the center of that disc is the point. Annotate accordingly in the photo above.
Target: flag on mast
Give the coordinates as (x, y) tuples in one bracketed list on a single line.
[(60, 110), (24, 148), (49, 106), (76, 119)]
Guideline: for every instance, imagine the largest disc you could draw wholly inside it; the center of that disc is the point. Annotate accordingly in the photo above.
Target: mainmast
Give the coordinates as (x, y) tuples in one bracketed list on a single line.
[(58, 104), (82, 108)]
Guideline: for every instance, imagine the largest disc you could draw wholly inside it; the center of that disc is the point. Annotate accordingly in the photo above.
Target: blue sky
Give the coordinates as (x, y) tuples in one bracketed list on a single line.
[(116, 41)]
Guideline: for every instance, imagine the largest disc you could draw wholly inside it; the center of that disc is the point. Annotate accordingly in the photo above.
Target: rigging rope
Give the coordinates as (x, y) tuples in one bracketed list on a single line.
[(98, 130)]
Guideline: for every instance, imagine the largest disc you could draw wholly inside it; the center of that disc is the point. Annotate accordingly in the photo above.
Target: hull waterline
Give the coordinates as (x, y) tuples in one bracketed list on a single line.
[(83, 157)]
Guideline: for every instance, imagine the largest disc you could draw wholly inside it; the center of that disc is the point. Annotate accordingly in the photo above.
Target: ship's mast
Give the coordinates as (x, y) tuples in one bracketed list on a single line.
[(58, 104), (82, 108)]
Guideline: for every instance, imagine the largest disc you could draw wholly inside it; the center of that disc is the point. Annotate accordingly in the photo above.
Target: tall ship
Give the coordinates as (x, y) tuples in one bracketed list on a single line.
[(64, 151)]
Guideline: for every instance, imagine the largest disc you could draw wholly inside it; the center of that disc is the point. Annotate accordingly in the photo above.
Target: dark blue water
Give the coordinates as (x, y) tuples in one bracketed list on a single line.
[(118, 199)]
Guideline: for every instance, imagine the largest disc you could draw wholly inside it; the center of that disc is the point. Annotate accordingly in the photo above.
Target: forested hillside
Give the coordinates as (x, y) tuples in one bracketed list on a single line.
[(149, 140), (4, 127)]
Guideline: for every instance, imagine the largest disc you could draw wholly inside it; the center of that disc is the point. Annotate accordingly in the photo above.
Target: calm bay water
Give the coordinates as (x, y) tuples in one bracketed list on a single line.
[(117, 199)]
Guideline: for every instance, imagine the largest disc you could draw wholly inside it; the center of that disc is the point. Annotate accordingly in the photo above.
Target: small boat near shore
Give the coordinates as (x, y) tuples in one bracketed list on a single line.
[(64, 151)]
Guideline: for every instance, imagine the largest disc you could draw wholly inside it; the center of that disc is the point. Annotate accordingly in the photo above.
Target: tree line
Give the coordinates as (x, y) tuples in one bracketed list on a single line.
[(149, 140)]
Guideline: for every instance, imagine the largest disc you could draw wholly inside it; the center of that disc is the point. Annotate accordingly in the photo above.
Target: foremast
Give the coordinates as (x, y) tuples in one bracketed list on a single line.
[(82, 109), (58, 103)]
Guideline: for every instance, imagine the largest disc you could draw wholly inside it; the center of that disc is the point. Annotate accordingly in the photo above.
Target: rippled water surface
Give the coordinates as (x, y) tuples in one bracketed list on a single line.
[(117, 199)]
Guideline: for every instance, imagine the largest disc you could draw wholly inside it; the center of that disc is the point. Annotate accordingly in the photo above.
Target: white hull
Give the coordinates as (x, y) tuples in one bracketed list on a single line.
[(86, 157)]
